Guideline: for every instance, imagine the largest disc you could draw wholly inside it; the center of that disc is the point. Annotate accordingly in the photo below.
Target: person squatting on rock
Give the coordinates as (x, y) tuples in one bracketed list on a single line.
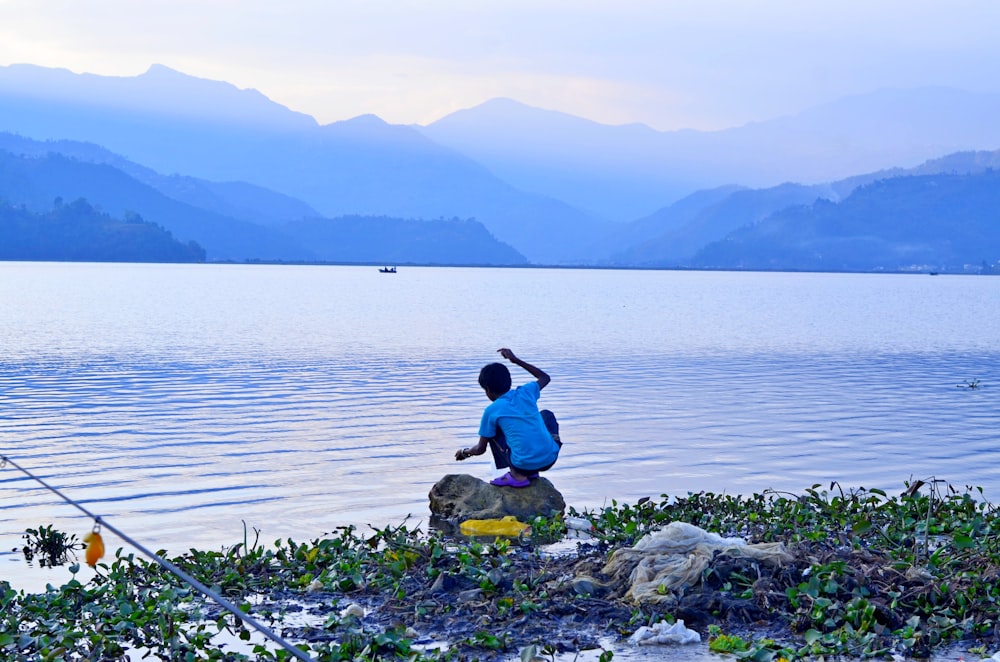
[(523, 439)]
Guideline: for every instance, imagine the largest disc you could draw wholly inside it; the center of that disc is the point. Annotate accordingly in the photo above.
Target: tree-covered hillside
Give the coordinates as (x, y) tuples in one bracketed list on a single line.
[(35, 182), (677, 245), (931, 223), (78, 232), (402, 241), (32, 178)]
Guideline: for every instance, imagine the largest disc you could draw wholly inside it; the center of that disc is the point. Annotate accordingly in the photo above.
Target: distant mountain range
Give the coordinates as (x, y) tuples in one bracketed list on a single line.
[(35, 182), (920, 223), (186, 207), (174, 123), (624, 172), (502, 183), (675, 235)]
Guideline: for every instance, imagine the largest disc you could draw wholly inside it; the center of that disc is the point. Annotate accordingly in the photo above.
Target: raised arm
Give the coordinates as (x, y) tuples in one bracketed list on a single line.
[(539, 374)]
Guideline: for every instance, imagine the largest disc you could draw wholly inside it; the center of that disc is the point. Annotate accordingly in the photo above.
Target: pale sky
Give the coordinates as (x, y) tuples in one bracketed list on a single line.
[(703, 64)]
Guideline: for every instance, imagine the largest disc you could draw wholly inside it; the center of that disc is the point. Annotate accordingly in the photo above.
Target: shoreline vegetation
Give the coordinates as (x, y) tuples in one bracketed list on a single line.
[(861, 575)]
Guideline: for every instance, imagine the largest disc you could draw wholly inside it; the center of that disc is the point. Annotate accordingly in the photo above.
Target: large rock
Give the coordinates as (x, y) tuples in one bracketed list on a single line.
[(460, 497)]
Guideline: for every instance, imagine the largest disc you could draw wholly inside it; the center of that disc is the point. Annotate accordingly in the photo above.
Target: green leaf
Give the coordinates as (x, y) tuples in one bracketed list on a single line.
[(860, 527)]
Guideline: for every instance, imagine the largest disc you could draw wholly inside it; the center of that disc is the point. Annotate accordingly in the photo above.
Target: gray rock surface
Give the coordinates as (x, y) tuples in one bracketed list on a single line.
[(460, 497)]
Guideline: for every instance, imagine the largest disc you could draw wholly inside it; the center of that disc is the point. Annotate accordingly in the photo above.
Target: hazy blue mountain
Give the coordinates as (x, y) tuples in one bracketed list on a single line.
[(939, 222), (712, 221), (36, 182), (160, 91), (624, 172), (959, 163), (174, 123), (613, 171), (279, 165), (233, 199), (671, 236), (628, 236), (78, 232), (398, 241)]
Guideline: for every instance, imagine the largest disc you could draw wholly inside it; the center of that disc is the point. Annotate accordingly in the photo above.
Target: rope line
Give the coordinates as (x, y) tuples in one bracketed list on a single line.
[(167, 565)]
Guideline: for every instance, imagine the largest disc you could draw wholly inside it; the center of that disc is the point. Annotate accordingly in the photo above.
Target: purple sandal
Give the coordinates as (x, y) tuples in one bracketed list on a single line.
[(507, 480)]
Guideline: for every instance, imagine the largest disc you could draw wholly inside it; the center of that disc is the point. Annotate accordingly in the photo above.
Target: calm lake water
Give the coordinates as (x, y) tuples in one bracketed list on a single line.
[(182, 401)]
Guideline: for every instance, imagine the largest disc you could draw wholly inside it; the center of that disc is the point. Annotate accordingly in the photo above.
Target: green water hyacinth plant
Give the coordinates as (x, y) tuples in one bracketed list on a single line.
[(51, 547), (872, 575), (876, 575)]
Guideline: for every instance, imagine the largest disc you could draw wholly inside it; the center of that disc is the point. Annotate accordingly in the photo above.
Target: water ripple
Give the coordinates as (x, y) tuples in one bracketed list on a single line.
[(303, 413)]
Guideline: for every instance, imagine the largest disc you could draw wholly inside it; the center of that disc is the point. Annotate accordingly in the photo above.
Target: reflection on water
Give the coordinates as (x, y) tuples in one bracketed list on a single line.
[(184, 401)]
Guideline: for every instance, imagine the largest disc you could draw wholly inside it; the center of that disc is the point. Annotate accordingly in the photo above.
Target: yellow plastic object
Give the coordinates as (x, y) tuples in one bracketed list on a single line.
[(508, 526), (95, 548)]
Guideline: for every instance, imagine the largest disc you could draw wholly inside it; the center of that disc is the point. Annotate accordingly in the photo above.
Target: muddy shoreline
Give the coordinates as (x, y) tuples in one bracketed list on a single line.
[(831, 574)]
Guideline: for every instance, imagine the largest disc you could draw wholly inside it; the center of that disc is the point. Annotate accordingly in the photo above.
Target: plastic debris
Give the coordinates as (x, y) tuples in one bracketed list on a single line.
[(508, 526), (579, 524), (665, 633), (355, 610), (674, 557)]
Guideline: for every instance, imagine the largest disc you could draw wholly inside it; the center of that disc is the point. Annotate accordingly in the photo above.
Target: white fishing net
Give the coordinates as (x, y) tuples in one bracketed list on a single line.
[(665, 562)]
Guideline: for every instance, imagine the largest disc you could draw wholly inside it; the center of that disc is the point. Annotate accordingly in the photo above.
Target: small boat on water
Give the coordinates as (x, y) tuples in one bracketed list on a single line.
[(387, 270)]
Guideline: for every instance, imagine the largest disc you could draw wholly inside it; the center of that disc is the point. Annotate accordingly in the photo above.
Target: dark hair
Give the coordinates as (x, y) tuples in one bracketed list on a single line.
[(495, 377)]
